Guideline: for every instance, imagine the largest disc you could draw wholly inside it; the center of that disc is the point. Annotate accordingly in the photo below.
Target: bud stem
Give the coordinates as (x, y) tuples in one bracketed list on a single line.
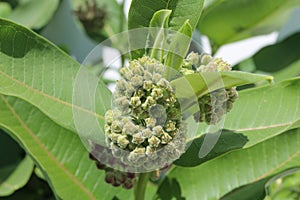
[(140, 187)]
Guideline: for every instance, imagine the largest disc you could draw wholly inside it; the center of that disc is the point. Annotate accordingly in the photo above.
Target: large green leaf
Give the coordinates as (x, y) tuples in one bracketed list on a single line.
[(36, 71), (34, 13), (202, 83), (278, 56), (141, 12), (231, 20), (215, 178), (15, 176), (59, 152), (265, 112)]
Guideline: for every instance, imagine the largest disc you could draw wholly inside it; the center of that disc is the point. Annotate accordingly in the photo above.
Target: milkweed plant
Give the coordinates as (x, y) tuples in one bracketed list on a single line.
[(162, 117)]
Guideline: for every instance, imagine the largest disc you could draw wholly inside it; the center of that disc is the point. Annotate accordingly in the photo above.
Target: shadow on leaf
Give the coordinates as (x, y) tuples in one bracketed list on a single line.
[(227, 141), (169, 189)]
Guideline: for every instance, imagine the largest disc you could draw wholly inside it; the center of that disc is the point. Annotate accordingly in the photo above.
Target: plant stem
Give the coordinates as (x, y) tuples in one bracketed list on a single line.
[(140, 188), (122, 20), (121, 27)]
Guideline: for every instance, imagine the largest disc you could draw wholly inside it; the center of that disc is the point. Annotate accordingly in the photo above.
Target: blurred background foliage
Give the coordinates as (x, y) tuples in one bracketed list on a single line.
[(77, 26)]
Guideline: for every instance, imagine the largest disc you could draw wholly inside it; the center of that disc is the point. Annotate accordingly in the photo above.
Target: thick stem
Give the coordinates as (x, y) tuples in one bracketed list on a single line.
[(140, 187)]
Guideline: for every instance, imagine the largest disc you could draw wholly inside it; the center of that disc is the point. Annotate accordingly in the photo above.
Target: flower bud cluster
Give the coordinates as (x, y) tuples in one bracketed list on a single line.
[(112, 176), (145, 127), (212, 106), (92, 17)]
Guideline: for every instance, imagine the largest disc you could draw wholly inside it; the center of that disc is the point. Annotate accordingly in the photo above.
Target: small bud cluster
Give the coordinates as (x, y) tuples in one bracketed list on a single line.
[(92, 17), (212, 106), (145, 128), (112, 176)]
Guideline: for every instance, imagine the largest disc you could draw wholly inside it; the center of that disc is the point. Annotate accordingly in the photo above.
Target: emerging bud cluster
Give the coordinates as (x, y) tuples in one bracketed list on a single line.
[(92, 18), (145, 128), (212, 106), (112, 176)]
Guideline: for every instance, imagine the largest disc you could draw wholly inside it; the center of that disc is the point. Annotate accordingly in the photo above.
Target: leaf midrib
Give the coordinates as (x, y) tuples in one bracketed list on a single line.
[(43, 148), (266, 127), (271, 171), (22, 84)]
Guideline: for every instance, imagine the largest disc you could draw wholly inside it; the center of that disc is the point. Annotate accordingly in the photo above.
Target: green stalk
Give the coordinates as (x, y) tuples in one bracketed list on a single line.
[(121, 26), (140, 187)]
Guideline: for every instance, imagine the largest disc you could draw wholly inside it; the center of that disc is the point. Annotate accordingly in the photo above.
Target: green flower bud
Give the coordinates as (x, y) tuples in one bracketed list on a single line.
[(109, 117), (148, 103), (154, 141), (159, 69), (151, 153), (222, 65), (138, 138), (147, 76), (150, 117), (158, 131), (157, 93), (147, 85), (171, 126), (150, 122), (136, 154), (205, 59), (129, 90), (135, 102), (193, 58), (146, 133), (123, 141), (107, 129), (166, 138), (216, 104), (121, 85), (163, 83), (136, 68), (156, 78), (126, 73), (116, 126), (129, 128), (137, 81), (114, 137), (122, 103)]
